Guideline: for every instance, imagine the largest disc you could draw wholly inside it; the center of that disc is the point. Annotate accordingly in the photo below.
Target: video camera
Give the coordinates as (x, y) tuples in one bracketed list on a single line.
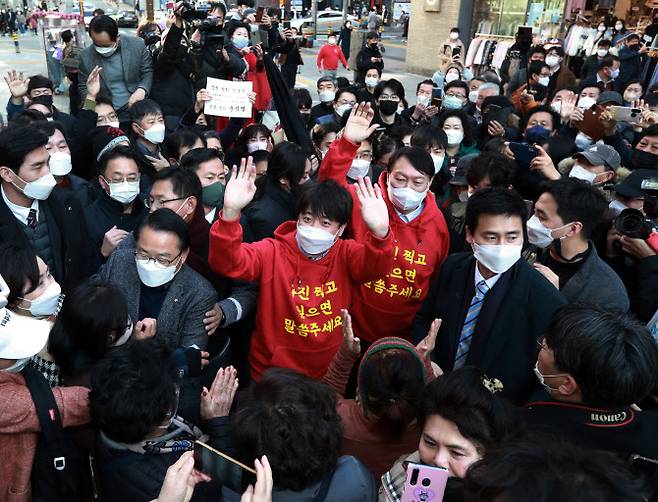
[(189, 13), (150, 38), (635, 223)]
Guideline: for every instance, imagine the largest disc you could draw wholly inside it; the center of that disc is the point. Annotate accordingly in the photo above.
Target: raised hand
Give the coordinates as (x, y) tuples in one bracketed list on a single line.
[(544, 165), (373, 207), (217, 401), (240, 189), (427, 344), (358, 126), (201, 97), (350, 342), (17, 84), (181, 478), (264, 483), (111, 240), (159, 162), (567, 107), (94, 82)]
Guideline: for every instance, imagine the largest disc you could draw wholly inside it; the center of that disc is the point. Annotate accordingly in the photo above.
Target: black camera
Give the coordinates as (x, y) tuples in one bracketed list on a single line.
[(189, 13), (150, 38), (633, 223)]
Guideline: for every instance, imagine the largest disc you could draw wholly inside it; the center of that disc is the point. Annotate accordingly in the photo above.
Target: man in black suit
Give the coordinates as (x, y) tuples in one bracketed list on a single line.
[(494, 306), (31, 213), (606, 75)]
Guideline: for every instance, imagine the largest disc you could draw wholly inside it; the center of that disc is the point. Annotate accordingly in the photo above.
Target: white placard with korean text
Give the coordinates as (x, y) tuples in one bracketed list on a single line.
[(229, 98)]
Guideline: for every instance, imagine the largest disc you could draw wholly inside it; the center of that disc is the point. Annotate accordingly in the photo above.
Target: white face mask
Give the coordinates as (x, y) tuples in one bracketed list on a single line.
[(48, 303), (124, 192), (541, 377), (455, 136), (539, 235), (38, 189), (327, 96), (423, 100), (581, 173), (125, 337), (153, 275), (60, 164), (586, 102), (473, 96), (497, 258), (358, 168), (406, 199), (582, 140), (438, 162), (256, 145), (155, 134), (454, 35), (450, 77), (557, 106), (552, 60), (113, 124), (313, 240), (343, 109), (18, 366), (616, 207), (544, 81), (371, 81), (105, 51), (602, 53)]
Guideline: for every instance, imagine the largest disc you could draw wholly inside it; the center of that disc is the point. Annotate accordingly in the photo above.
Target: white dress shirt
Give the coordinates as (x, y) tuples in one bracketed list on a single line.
[(21, 213)]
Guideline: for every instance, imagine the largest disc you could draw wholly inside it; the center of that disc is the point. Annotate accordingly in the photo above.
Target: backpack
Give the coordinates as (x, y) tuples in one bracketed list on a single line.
[(61, 469), (72, 59)]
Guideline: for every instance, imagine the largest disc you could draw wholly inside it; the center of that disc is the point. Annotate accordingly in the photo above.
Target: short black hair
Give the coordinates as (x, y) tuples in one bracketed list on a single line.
[(577, 200), (93, 316), (182, 138), (302, 98), (49, 128), (494, 201), (166, 220), (18, 267), (18, 142), (461, 397), (292, 419), (143, 108), (392, 84), (319, 131), (39, 82), (326, 199), (604, 42), (652, 131), (535, 68), (104, 24), (246, 3), (342, 90), (217, 6), (541, 109), (249, 132), (427, 81), (608, 61), (184, 182), (417, 157), (27, 117), (194, 158), (98, 12), (456, 83), (372, 35), (234, 26), (550, 468), (326, 79), (369, 67), (384, 145), (287, 161), (429, 136), (133, 389), (104, 99), (536, 49), (610, 354), (342, 82), (493, 165), (118, 152)]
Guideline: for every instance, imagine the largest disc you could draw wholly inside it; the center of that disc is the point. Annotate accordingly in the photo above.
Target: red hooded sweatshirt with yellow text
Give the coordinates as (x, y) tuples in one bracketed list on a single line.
[(298, 321), (387, 305)]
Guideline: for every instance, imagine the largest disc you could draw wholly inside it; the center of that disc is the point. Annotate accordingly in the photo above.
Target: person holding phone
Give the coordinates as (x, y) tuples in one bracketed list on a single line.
[(452, 50), (368, 56), (461, 417)]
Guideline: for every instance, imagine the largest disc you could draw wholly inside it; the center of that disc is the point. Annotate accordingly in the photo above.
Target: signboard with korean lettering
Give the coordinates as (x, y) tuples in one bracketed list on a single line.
[(229, 98)]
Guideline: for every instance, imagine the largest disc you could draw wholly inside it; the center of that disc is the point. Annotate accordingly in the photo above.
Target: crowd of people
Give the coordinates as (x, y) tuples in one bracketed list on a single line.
[(461, 283)]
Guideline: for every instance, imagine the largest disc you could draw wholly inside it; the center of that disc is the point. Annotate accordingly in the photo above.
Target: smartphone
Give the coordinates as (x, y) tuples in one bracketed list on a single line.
[(456, 51), (523, 153), (259, 14), (591, 124), (626, 114), (424, 483), (222, 468), (286, 25), (436, 102)]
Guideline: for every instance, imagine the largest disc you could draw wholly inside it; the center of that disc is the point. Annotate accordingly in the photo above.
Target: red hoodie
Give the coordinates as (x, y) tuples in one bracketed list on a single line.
[(387, 306), (329, 56), (298, 322)]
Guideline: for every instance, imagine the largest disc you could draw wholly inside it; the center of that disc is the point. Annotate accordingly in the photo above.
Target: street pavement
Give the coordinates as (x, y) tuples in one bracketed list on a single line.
[(32, 60)]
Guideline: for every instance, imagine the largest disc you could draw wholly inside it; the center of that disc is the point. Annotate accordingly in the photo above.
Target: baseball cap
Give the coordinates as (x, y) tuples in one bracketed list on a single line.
[(610, 97), (20, 336), (631, 186), (601, 155)]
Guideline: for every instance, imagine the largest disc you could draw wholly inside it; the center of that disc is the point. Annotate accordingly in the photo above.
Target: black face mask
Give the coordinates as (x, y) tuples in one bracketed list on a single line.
[(44, 99), (388, 107), (644, 160)]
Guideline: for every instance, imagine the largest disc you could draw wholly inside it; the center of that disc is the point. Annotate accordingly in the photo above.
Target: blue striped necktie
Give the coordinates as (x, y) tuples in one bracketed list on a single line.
[(470, 321)]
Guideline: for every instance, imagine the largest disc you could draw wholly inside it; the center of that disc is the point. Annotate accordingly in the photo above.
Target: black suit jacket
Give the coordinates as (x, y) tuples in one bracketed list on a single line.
[(72, 253), (515, 313)]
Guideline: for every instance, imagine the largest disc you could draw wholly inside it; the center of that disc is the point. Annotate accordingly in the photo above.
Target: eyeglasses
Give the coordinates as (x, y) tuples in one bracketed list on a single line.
[(159, 203), (389, 97), (130, 179), (364, 156), (452, 95), (159, 262), (110, 117)]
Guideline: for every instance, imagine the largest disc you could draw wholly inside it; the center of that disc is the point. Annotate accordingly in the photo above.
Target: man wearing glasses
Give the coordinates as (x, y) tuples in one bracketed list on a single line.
[(163, 293), (117, 210)]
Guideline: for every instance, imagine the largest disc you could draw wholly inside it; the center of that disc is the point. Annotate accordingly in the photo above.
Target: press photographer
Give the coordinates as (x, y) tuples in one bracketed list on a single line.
[(212, 54)]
